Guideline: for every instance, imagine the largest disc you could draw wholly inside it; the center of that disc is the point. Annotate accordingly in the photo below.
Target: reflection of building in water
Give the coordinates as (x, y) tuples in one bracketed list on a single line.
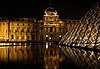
[(16, 54), (27, 29), (50, 54), (4, 54)]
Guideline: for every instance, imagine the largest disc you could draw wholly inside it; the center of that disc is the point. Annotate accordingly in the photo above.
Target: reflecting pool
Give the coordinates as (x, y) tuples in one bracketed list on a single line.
[(47, 55)]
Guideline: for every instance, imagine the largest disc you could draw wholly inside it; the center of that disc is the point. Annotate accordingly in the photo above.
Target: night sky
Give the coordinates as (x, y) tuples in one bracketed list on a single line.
[(67, 9)]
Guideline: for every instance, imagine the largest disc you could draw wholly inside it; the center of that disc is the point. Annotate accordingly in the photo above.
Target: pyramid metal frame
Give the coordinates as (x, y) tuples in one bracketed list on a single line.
[(86, 32), (81, 44)]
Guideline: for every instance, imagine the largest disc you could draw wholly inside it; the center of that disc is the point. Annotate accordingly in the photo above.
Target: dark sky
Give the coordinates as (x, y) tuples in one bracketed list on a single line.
[(67, 9)]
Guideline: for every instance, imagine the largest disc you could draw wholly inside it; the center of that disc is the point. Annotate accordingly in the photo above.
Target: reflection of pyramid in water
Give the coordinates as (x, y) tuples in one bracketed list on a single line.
[(86, 33)]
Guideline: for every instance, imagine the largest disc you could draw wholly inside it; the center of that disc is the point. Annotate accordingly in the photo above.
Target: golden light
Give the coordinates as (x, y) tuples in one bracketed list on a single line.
[(46, 35)]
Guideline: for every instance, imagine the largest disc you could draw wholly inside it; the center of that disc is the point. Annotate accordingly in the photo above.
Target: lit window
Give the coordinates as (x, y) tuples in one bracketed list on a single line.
[(50, 38), (98, 58), (46, 35), (59, 35), (3, 35), (2, 30), (60, 21), (46, 45)]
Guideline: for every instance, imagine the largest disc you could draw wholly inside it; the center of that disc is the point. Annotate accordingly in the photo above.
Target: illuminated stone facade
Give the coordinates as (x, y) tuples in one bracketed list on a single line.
[(3, 29), (51, 28), (19, 29)]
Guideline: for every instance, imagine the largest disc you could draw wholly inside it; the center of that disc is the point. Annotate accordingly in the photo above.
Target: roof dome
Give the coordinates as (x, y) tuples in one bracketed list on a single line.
[(50, 9)]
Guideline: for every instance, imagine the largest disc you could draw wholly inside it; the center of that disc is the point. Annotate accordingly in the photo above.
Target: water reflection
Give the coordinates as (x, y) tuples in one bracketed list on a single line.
[(47, 53), (15, 54), (83, 59)]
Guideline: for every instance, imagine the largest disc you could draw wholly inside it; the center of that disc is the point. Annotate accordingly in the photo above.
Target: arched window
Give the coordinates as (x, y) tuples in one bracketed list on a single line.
[(41, 37), (51, 29), (22, 30), (27, 29), (17, 37), (12, 36), (28, 37), (17, 30)]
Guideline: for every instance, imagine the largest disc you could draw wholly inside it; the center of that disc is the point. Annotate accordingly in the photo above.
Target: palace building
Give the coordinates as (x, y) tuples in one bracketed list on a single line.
[(50, 28), (17, 29)]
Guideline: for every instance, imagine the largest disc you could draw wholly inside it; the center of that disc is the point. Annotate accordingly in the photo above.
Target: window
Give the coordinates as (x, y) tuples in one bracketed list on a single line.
[(59, 35), (6, 30), (41, 29), (66, 30), (46, 38), (50, 37), (28, 24), (23, 24), (22, 30), (2, 30), (33, 37), (12, 24), (51, 29), (22, 37), (3, 23), (41, 37), (17, 24), (59, 29), (17, 30), (28, 37), (17, 37), (51, 52), (55, 29), (71, 25), (46, 35), (12, 37), (46, 29), (28, 30)]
